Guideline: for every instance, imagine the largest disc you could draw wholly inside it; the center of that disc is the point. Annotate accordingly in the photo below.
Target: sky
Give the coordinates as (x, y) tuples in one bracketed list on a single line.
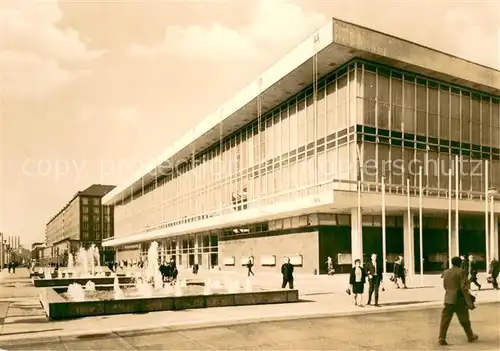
[(93, 89)]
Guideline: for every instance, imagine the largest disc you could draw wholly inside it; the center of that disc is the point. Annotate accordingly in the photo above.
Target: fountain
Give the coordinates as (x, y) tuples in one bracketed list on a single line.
[(158, 280), (248, 286), (177, 290), (216, 285), (144, 289), (207, 289), (76, 292), (90, 286), (118, 293), (82, 263), (71, 263), (149, 293), (152, 262)]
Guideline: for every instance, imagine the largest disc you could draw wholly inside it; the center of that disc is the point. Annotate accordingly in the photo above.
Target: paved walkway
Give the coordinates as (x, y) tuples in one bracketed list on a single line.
[(410, 330), (22, 316)]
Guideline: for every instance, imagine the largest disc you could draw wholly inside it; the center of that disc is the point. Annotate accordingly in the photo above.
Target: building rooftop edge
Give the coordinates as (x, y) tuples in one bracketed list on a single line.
[(214, 118)]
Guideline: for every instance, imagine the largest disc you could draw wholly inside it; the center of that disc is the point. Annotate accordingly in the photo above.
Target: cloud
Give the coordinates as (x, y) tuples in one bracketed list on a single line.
[(274, 24), (33, 50)]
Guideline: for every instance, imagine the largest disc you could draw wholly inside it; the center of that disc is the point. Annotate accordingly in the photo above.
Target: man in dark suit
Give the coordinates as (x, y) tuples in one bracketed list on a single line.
[(494, 271), (287, 272), (374, 272), (457, 300)]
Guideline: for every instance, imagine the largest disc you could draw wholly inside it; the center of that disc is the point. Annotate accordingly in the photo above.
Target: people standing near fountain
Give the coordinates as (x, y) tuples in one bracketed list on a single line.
[(164, 271), (287, 272)]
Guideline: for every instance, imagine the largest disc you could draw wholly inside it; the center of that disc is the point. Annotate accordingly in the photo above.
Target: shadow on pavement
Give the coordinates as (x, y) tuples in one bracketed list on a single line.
[(39, 320), (319, 293), (32, 331), (419, 287), (404, 303)]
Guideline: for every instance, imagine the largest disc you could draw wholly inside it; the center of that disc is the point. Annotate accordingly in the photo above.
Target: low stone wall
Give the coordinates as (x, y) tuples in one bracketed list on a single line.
[(57, 308), (45, 283)]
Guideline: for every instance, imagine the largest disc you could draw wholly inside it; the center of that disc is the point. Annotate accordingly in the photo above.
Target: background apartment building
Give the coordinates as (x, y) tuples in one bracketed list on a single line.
[(83, 221)]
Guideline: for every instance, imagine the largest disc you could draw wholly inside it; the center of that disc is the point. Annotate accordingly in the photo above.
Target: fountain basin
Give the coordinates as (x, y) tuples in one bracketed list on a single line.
[(45, 283), (57, 307)]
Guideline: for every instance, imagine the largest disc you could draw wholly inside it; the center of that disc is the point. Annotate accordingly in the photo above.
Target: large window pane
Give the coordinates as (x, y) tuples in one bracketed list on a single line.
[(485, 122), (293, 127), (476, 122), (370, 85), (369, 162), (285, 131), (444, 111), (301, 113), (342, 103), (321, 122), (383, 88), (397, 166), (465, 119), (331, 108), (368, 107)]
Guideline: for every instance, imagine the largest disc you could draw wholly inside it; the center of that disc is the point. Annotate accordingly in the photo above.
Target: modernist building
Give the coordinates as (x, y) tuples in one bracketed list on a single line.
[(294, 165), (83, 221), (37, 252)]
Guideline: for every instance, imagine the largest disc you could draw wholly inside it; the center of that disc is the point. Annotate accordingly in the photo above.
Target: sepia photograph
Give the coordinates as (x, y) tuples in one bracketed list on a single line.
[(249, 175)]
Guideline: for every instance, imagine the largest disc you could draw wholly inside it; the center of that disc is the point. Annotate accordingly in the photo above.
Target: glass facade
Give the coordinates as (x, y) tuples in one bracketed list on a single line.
[(363, 120), (410, 122), (297, 147)]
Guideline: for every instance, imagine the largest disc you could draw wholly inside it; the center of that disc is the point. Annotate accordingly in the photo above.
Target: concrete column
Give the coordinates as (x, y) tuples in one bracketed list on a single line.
[(494, 238), (196, 248), (455, 247), (356, 236), (408, 243), (178, 252)]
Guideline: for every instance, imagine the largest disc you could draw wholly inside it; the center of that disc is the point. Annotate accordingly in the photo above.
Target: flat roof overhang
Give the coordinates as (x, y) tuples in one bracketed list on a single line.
[(336, 43)]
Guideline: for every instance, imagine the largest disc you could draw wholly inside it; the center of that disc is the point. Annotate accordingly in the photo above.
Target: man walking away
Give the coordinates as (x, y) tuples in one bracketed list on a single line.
[(494, 272), (375, 277), (457, 300), (472, 272), (400, 272), (287, 272), (249, 266), (329, 266)]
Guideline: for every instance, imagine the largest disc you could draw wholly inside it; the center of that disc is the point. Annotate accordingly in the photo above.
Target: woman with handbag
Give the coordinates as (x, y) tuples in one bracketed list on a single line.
[(357, 280)]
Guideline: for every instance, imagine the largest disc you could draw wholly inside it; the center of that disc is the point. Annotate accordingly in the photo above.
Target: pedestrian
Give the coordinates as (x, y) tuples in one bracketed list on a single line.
[(399, 272), (329, 266), (13, 267), (375, 278), (472, 271), (249, 266), (9, 266), (494, 272), (457, 300), (357, 280), (287, 272)]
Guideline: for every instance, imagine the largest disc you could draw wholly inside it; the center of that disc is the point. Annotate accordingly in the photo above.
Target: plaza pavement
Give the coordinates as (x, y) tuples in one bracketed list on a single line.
[(404, 330), (22, 317)]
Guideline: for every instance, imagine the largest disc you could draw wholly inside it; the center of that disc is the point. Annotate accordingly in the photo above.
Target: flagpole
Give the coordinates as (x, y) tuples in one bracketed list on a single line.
[(449, 218), (384, 234), (491, 242), (457, 213), (486, 200), (420, 228), (411, 253)]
